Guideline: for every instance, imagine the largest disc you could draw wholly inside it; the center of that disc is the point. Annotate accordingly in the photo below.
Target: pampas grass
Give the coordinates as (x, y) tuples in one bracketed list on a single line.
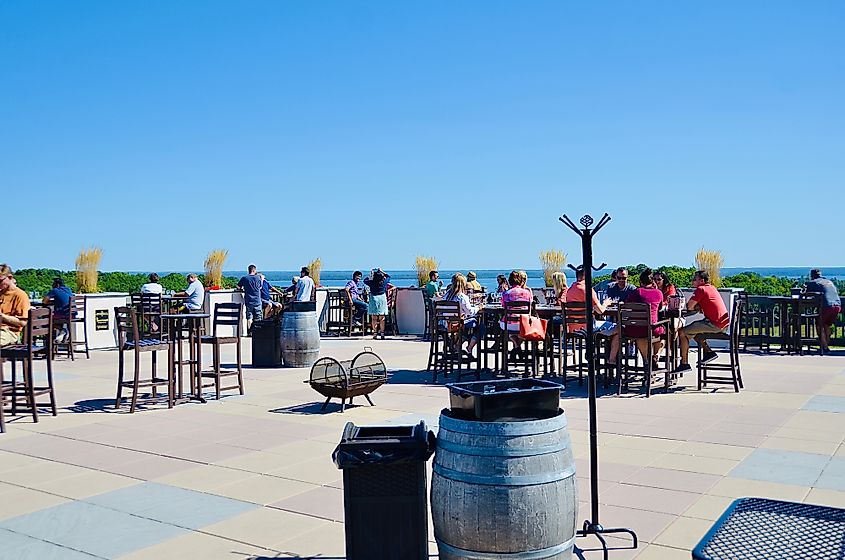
[(315, 267), (214, 267), (87, 263), (424, 265), (552, 262), (711, 262)]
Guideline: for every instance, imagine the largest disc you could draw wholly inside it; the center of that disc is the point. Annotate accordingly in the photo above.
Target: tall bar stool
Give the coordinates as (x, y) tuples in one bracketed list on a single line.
[(527, 357), (39, 326), (733, 366), (806, 312), (129, 339), (148, 312), (2, 399), (638, 316), (446, 349), (225, 315), (77, 316)]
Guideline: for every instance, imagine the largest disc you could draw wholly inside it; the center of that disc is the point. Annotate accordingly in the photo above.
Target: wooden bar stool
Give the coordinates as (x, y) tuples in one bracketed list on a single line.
[(129, 339), (732, 336), (39, 326), (225, 315)]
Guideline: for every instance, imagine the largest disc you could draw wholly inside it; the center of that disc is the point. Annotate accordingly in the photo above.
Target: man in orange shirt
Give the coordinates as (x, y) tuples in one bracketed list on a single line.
[(716, 319), (14, 308)]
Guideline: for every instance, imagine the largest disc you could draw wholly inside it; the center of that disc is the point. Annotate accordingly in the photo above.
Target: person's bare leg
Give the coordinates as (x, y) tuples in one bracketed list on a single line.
[(614, 348), (642, 346)]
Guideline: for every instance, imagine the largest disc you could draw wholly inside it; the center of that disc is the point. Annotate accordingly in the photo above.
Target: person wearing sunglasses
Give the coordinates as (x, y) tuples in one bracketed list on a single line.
[(621, 290)]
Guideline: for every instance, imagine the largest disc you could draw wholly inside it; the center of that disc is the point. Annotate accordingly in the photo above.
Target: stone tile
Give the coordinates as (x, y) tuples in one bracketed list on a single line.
[(175, 506), (801, 445), (151, 466), (22, 547), (833, 475), (673, 479), (20, 501), (260, 462), (684, 533), (205, 478), (648, 498), (263, 489), (740, 487), (786, 467), (826, 403), (690, 463), (709, 507), (809, 435), (832, 498), (265, 527), (660, 552), (93, 529), (316, 471), (199, 545), (327, 541), (647, 524), (87, 484), (323, 501), (713, 450)]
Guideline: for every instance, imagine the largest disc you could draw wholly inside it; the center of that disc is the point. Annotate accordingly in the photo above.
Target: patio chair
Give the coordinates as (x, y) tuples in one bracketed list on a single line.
[(527, 356), (75, 316), (129, 339), (573, 337), (2, 399), (733, 366), (806, 312), (225, 315), (757, 322), (638, 316), (39, 327), (338, 316), (446, 350), (148, 311)]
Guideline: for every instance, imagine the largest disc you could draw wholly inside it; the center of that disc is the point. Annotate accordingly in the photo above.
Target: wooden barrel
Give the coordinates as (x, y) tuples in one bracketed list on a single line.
[(300, 338), (504, 490)]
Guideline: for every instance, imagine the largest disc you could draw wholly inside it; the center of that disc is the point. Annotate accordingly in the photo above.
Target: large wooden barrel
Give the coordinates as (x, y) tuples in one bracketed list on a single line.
[(504, 488), (300, 338)]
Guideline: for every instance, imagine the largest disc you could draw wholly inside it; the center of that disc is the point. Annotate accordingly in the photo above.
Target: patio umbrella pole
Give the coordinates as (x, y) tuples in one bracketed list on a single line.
[(592, 525)]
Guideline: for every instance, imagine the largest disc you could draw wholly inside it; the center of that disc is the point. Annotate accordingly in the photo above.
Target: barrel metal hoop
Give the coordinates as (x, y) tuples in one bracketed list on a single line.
[(527, 555), (447, 445), (516, 480), (527, 428)]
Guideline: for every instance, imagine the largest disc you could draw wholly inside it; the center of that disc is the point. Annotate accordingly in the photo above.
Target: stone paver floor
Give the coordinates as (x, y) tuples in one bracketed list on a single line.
[(252, 477)]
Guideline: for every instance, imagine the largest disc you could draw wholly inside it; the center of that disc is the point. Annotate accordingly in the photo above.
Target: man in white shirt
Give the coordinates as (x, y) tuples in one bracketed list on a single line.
[(194, 292), (153, 286), (305, 286)]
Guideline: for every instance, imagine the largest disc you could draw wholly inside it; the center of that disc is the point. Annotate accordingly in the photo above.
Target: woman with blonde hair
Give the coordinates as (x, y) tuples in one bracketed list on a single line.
[(559, 282), (457, 291)]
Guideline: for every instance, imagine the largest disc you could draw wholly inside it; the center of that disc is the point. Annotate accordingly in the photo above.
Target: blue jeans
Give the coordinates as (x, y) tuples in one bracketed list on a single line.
[(476, 327), (360, 308), (254, 312)]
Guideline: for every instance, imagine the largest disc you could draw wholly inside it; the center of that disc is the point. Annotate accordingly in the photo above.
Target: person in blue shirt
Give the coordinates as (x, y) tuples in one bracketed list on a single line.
[(59, 298), (250, 285), (621, 290)]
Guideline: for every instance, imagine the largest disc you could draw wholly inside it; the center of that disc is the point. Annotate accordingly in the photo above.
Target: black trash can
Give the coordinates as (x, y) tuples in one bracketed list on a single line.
[(385, 501), (266, 343)]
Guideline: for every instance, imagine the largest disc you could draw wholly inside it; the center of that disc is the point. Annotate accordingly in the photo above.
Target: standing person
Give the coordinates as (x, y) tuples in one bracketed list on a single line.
[(661, 282), (621, 289), (59, 298), (831, 305), (434, 284), (250, 285), (716, 319), (377, 306), (305, 285), (194, 293), (153, 286), (472, 282), (353, 293), (14, 308), (270, 307)]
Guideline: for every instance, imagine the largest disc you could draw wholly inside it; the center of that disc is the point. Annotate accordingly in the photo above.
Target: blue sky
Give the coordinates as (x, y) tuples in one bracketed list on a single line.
[(368, 132)]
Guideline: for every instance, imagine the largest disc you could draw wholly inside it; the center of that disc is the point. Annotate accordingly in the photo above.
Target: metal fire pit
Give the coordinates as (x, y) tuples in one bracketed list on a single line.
[(347, 379)]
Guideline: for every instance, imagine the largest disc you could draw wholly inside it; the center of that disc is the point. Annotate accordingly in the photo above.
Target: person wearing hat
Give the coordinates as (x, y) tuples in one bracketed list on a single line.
[(14, 308), (472, 283), (831, 304)]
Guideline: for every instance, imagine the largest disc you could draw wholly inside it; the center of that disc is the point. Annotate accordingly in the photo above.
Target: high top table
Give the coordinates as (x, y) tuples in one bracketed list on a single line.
[(177, 324)]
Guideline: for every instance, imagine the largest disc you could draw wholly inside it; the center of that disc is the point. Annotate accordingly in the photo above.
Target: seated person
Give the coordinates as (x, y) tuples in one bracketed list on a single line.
[(577, 292), (271, 307), (716, 319), (831, 305), (434, 284), (501, 284), (472, 283), (517, 291), (194, 294), (153, 286), (661, 282), (473, 325), (559, 282), (353, 295), (14, 308), (59, 298), (621, 289), (650, 294)]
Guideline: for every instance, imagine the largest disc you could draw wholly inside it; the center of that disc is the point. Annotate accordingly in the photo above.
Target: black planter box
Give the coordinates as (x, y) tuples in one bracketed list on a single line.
[(501, 401)]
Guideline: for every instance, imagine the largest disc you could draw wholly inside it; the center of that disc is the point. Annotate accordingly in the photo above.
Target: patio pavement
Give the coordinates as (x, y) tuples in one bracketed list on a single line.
[(252, 477)]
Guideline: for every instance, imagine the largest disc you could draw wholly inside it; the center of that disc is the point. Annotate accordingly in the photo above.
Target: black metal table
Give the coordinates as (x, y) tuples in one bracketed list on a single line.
[(762, 529)]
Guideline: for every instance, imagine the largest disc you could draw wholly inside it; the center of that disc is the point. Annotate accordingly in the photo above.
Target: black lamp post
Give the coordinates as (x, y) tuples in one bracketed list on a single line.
[(592, 525)]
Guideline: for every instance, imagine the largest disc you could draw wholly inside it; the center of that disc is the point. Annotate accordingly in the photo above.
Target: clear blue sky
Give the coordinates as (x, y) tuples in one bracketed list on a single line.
[(368, 132)]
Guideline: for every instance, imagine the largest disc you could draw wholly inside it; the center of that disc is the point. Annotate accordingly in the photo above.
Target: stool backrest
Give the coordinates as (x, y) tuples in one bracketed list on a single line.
[(39, 324), (635, 314), (737, 309), (77, 307), (513, 309), (126, 322), (574, 313), (228, 314)]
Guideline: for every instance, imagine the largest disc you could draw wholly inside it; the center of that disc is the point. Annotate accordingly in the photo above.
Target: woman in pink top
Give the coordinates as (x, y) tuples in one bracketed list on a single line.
[(516, 292), (650, 294)]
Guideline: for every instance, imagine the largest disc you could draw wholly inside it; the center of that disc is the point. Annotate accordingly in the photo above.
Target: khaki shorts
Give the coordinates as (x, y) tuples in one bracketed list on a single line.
[(702, 326), (8, 337)]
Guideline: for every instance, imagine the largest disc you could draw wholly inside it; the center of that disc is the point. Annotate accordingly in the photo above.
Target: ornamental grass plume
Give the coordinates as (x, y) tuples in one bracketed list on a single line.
[(552, 262), (214, 267), (711, 262), (315, 267), (424, 265), (87, 263)]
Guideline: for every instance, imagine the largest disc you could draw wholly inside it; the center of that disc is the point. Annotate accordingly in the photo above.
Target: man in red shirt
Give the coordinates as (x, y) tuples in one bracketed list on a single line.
[(716, 319)]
